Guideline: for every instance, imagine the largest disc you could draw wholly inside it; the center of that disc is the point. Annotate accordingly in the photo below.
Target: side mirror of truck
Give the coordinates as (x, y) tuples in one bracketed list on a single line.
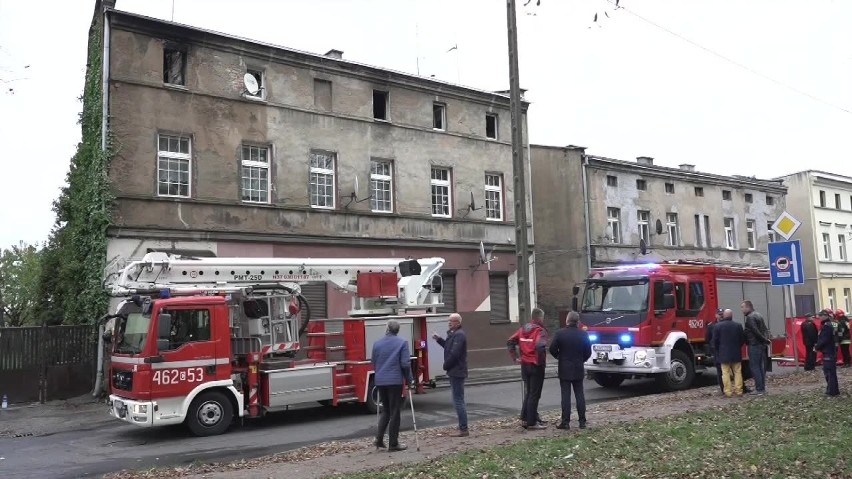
[(575, 291), (164, 331)]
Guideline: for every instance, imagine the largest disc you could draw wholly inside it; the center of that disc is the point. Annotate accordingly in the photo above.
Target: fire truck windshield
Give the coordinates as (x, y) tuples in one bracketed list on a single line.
[(132, 332), (618, 297)]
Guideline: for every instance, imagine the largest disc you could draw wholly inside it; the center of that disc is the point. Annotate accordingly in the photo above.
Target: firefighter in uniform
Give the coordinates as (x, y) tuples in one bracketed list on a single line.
[(843, 336), (809, 338), (826, 345)]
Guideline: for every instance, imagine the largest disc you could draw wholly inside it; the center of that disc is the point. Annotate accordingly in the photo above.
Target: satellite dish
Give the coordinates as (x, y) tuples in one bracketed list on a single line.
[(482, 258), (250, 83), (659, 227), (643, 246)]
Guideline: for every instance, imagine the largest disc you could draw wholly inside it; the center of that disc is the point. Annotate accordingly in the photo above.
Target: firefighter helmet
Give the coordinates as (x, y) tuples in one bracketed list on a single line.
[(839, 314)]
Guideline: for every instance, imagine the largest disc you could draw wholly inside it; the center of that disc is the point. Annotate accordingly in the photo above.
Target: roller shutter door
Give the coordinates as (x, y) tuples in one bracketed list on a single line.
[(317, 296), (499, 285), (449, 293)]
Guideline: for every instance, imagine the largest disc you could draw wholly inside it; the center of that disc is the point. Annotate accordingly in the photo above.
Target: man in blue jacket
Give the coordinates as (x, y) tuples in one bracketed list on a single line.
[(392, 369), (572, 348), (728, 340), (455, 364)]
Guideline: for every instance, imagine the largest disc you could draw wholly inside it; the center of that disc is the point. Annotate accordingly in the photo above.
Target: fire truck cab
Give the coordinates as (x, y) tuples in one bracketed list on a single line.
[(650, 320)]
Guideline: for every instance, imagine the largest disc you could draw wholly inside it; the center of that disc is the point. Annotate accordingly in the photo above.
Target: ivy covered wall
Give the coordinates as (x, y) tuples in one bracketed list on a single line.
[(71, 283)]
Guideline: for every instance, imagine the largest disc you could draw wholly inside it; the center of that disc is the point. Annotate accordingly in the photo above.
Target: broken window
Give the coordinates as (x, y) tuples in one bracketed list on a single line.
[(491, 126), (439, 116), (174, 66), (322, 94), (380, 105)]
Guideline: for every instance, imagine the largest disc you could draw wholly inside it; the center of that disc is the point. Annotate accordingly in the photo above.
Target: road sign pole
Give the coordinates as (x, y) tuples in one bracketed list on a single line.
[(793, 325)]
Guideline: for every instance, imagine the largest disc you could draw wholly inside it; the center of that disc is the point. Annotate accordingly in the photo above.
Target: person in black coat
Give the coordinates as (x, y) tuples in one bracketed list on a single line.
[(455, 363), (708, 338), (571, 347), (728, 340), (810, 335), (828, 348)]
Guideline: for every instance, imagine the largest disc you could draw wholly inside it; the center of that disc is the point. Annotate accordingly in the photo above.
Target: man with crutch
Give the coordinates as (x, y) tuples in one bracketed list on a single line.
[(391, 369)]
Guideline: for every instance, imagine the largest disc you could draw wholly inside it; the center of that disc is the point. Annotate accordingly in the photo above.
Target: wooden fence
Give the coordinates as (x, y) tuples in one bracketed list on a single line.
[(48, 362)]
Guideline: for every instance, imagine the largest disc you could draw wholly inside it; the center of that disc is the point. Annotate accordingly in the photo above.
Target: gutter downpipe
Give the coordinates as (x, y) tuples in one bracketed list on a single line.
[(586, 212), (99, 375)]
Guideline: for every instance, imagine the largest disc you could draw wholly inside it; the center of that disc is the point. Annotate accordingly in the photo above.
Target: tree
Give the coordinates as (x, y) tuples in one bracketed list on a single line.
[(20, 277)]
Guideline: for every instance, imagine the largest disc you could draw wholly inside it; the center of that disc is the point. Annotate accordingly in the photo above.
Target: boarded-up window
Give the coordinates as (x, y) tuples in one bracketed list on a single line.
[(322, 94), (316, 295), (449, 292), (499, 286)]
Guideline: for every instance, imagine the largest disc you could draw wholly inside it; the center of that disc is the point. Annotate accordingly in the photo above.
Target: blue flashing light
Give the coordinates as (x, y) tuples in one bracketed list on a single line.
[(593, 337), (625, 338), (165, 293)]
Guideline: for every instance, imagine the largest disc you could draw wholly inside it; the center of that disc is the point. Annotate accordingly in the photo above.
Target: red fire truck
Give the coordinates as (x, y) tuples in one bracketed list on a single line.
[(649, 320), (203, 341)]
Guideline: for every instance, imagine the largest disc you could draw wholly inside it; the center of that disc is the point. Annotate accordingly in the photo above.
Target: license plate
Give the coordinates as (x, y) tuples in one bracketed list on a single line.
[(602, 356), (602, 347)]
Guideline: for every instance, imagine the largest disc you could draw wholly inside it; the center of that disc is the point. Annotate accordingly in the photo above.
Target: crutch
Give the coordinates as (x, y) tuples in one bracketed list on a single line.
[(413, 420)]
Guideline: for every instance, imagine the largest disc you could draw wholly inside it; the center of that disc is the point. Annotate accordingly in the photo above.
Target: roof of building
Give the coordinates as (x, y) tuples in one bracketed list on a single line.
[(819, 174), (153, 24)]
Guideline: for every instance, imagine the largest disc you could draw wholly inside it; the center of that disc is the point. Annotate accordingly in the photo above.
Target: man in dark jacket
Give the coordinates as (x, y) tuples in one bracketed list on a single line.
[(757, 336), (531, 340), (572, 347), (455, 364), (809, 338), (728, 340), (392, 368), (826, 345), (842, 333), (708, 339)]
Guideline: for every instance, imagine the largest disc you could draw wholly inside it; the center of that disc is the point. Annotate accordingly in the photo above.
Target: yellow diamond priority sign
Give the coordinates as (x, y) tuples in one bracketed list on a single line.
[(786, 225)]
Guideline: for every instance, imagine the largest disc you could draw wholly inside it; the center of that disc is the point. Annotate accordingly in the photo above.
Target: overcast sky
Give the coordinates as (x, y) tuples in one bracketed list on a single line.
[(762, 87)]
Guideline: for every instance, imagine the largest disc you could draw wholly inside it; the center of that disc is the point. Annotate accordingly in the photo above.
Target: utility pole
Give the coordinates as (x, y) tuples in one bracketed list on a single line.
[(522, 251)]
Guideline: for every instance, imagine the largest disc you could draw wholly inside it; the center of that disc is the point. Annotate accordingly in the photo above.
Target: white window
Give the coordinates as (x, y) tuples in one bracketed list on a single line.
[(832, 298), (439, 116), (494, 196), (847, 299), (770, 233), (751, 235), (730, 234), (174, 165), (841, 241), (613, 221), (674, 232), (321, 185), (381, 186), (826, 246), (644, 220), (441, 192), (255, 174), (261, 90)]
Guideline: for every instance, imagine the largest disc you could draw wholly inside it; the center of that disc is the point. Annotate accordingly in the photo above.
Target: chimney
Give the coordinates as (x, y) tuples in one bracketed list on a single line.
[(645, 160), (336, 54), (687, 167)]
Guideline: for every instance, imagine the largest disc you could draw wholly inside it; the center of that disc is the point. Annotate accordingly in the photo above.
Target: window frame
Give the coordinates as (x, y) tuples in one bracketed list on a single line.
[(748, 197), (499, 190), (727, 195), (699, 191), (646, 222), (841, 243), (730, 233), (174, 312), (614, 223), (643, 183), (183, 50), (822, 199), (770, 200), (832, 298), (256, 164), (443, 107), (387, 116), (672, 225), (826, 246), (667, 187), (496, 118), (178, 156), (838, 202), (847, 299), (771, 237), (376, 177), (612, 181), (751, 235), (441, 183), (261, 84), (323, 171)]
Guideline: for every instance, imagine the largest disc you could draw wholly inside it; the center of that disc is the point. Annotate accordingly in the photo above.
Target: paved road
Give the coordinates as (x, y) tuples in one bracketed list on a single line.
[(112, 446)]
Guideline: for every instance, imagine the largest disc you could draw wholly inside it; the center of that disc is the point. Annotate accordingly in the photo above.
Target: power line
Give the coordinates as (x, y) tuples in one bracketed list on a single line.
[(730, 60)]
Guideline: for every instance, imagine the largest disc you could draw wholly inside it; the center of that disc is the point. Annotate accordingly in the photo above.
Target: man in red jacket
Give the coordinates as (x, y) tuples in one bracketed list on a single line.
[(531, 340)]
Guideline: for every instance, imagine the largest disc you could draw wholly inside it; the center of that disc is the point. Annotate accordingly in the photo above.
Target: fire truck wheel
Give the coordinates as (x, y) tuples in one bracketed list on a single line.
[(372, 403), (209, 414), (681, 374), (609, 381)]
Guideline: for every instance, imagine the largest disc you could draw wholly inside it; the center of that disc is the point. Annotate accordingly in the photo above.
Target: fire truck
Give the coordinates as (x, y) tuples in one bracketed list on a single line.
[(649, 320), (203, 341)]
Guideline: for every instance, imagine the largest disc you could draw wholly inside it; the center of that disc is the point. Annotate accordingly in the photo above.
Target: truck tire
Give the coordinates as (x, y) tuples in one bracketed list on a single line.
[(210, 414), (609, 380), (372, 402), (681, 374)]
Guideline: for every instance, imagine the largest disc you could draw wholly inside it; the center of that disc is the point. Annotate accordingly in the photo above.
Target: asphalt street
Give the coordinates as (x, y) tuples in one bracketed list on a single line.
[(112, 446)]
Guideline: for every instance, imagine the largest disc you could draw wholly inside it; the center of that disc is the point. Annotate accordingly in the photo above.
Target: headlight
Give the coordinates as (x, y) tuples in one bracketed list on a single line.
[(640, 356), (625, 338), (140, 408), (593, 337)]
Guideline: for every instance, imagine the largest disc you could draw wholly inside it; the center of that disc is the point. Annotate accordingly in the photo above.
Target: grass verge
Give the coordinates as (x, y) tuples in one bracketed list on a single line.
[(783, 436)]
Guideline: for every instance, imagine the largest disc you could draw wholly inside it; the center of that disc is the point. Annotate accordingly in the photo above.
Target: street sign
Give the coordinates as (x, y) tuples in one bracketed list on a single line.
[(785, 263), (786, 225)]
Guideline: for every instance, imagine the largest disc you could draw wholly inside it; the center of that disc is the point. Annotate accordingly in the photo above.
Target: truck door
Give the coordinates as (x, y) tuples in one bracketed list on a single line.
[(189, 359), (689, 297)]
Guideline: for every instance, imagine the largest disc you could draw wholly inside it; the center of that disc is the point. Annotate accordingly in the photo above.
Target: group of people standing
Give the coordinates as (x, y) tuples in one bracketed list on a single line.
[(725, 339), (832, 336)]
